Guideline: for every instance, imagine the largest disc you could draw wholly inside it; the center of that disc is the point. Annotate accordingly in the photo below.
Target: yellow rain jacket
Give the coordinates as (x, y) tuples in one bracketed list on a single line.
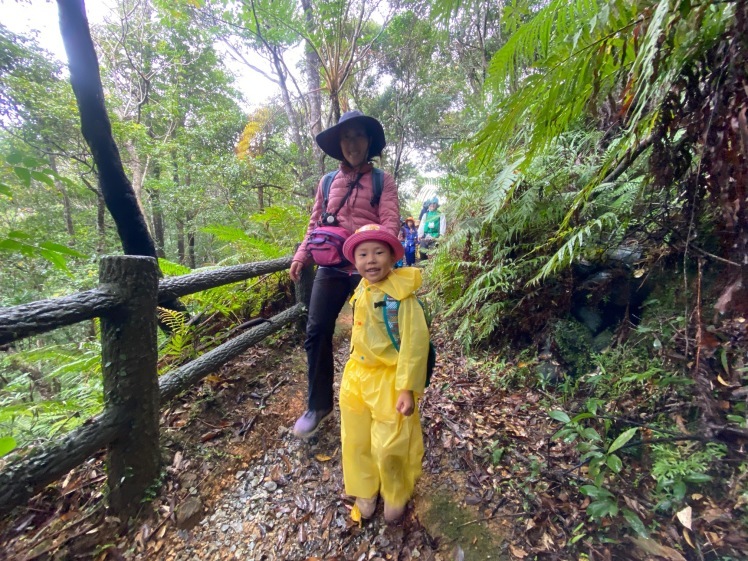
[(382, 449)]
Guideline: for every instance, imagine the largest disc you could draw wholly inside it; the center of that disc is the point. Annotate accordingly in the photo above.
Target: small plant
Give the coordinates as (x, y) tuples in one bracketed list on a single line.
[(602, 460), (676, 466)]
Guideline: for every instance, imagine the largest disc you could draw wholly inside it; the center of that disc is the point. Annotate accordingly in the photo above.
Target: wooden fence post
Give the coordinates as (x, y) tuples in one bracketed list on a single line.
[(129, 357)]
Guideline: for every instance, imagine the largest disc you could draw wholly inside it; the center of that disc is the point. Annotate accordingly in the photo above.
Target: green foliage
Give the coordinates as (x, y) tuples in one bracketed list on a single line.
[(676, 466), (180, 344), (7, 445), (50, 390), (271, 234), (13, 243), (574, 343)]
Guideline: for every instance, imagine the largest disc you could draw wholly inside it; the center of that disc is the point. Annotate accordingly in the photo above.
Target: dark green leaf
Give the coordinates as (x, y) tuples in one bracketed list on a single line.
[(59, 248), (614, 463), (622, 439), (559, 416), (14, 158), (635, 523), (602, 508), (23, 174), (44, 178)]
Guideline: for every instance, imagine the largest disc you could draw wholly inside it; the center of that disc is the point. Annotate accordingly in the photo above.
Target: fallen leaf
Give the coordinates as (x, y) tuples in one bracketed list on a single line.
[(322, 457), (687, 537), (724, 382), (650, 546), (356, 514), (685, 517), (210, 435), (517, 552)]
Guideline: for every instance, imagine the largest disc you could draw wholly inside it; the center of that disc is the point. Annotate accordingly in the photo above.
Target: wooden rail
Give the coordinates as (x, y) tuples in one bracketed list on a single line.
[(126, 301)]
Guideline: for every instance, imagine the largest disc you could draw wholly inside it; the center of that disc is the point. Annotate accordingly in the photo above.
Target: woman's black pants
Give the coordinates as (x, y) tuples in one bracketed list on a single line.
[(331, 288)]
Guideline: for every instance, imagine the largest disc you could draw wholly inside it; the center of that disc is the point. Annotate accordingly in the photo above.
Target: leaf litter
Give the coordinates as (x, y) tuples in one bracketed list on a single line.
[(239, 485)]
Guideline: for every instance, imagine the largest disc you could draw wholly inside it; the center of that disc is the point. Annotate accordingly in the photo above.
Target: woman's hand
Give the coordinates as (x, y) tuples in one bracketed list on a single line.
[(405, 403), (295, 270)]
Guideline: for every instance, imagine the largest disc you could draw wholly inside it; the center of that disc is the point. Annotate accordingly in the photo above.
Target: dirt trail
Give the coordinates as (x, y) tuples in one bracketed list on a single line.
[(239, 485), (268, 495)]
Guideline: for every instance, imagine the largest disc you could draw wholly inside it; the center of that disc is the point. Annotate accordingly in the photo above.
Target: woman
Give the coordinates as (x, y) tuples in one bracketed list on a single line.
[(409, 234), (355, 141)]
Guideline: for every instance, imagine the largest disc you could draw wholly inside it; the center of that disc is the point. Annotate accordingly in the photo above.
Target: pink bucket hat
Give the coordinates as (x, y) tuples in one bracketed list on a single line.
[(372, 233)]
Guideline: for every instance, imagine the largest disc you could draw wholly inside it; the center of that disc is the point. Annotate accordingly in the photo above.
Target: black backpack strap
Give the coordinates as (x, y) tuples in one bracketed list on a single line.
[(377, 178), (326, 183)]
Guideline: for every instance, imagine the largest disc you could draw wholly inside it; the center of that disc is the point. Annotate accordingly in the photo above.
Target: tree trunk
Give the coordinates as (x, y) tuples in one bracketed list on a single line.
[(69, 226), (180, 242), (97, 131), (191, 248), (100, 224), (313, 64), (158, 222)]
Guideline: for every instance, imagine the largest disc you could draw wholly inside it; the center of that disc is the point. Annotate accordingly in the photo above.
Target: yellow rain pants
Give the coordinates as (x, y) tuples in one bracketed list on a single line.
[(383, 449)]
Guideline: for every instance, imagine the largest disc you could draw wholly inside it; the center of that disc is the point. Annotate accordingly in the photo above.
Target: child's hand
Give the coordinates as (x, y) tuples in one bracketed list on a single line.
[(405, 403)]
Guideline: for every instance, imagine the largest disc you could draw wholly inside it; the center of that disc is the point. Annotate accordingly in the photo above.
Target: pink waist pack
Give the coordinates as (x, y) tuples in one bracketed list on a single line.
[(325, 244)]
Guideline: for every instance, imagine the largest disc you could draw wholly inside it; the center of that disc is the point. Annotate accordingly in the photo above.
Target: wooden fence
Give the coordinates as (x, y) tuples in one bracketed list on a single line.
[(126, 299)]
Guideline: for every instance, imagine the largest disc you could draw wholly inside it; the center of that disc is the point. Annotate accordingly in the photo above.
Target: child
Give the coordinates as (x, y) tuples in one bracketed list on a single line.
[(409, 234), (380, 425)]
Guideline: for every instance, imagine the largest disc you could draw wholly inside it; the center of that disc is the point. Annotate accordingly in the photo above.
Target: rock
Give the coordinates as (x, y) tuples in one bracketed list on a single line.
[(189, 513), (270, 486)]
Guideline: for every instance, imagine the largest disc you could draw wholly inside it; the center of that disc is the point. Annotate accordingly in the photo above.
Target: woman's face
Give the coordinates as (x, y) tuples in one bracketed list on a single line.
[(354, 143)]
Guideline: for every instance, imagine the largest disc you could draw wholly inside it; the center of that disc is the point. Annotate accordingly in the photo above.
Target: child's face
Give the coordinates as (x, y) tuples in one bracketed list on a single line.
[(374, 260)]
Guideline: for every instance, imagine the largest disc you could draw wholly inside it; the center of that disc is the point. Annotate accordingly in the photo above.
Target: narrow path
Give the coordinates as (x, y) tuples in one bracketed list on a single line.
[(263, 494), (238, 485)]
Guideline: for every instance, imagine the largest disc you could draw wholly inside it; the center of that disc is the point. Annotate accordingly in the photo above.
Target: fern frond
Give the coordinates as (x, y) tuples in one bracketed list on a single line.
[(533, 41), (574, 245), (171, 269)]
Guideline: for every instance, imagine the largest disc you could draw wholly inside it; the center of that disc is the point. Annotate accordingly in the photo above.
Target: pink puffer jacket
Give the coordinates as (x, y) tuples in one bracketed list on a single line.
[(357, 210)]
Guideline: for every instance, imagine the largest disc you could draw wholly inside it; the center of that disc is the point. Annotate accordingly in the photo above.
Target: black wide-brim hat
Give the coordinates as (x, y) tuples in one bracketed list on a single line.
[(329, 139)]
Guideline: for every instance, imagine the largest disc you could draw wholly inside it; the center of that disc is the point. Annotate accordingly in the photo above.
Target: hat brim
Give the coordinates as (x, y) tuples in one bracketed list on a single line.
[(349, 247), (329, 139)]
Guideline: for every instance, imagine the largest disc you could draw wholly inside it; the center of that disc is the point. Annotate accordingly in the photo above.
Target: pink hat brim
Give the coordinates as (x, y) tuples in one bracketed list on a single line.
[(349, 247)]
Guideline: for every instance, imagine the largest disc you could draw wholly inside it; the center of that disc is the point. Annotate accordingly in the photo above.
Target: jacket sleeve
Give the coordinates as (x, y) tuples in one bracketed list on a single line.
[(389, 206), (442, 225), (414, 347), (421, 225), (302, 255)]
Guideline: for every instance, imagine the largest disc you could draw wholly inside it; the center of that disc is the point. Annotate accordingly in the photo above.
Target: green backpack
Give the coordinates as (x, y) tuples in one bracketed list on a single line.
[(390, 310)]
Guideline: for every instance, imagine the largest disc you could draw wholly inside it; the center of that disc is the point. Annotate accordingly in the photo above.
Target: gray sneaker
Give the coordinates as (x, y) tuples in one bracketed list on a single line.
[(309, 422)]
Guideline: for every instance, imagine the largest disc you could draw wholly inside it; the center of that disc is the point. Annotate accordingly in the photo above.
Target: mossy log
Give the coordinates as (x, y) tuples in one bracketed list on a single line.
[(45, 315), (174, 287), (177, 381)]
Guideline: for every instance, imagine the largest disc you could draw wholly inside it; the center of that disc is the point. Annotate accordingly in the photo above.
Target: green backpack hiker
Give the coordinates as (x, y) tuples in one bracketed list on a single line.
[(390, 310)]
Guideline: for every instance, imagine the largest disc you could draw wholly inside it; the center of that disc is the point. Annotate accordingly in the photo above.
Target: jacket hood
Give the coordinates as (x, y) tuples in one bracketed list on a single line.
[(400, 283)]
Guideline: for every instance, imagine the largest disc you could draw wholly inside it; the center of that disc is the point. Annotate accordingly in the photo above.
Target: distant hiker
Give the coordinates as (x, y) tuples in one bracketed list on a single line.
[(379, 421), (352, 201), (432, 226), (424, 209), (409, 237)]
